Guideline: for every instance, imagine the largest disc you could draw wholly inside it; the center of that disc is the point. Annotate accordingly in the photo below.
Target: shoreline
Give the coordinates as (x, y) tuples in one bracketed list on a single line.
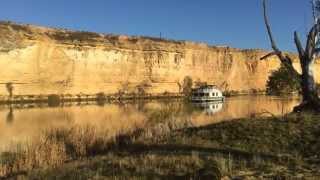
[(55, 100), (100, 98)]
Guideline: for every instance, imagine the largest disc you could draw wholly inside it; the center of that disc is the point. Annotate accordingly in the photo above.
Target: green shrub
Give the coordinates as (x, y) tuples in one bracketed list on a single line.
[(81, 36), (101, 98), (200, 83), (54, 100), (187, 85), (10, 88), (143, 87), (231, 93), (283, 81)]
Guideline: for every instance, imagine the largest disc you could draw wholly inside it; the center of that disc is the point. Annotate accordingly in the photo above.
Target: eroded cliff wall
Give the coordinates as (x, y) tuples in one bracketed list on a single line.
[(41, 60)]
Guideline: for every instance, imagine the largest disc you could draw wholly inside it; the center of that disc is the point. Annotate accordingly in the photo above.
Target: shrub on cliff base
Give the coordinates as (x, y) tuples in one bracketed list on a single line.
[(9, 87), (143, 87), (283, 81), (54, 100), (187, 85), (200, 83)]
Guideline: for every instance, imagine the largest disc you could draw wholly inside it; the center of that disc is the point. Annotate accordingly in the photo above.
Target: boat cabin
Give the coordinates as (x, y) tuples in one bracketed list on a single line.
[(206, 93)]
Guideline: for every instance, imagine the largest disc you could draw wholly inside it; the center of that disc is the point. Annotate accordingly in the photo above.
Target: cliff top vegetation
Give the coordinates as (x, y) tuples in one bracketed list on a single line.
[(33, 32)]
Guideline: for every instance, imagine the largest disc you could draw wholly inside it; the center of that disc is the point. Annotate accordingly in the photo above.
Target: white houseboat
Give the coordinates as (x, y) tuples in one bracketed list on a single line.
[(206, 93)]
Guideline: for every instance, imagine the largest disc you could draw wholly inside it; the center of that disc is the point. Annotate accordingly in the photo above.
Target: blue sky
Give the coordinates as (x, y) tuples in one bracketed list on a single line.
[(237, 23)]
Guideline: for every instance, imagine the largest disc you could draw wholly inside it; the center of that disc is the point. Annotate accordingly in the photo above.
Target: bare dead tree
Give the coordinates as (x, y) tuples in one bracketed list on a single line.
[(307, 56)]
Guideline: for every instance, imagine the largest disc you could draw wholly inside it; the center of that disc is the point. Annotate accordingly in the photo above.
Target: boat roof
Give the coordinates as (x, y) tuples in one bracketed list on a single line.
[(206, 87)]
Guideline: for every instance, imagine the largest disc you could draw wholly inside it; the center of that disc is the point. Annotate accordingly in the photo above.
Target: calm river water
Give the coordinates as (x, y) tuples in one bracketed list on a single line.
[(18, 124)]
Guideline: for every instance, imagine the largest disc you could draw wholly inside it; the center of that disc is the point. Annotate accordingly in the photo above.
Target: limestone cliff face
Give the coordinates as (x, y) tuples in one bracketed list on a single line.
[(41, 60)]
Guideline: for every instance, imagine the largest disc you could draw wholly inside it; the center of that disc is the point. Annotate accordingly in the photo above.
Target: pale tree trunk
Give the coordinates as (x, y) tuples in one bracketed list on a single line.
[(307, 81), (307, 56), (310, 98)]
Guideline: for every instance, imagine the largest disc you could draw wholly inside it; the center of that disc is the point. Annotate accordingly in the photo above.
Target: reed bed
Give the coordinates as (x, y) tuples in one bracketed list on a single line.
[(55, 147)]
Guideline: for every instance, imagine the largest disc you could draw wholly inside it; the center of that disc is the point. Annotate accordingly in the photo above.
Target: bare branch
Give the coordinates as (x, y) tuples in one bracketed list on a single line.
[(288, 60), (268, 55), (311, 41), (298, 45), (313, 4), (266, 20), (285, 60)]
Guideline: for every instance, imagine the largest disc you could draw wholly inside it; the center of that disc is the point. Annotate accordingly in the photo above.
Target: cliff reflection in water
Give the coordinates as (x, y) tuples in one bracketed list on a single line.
[(19, 124)]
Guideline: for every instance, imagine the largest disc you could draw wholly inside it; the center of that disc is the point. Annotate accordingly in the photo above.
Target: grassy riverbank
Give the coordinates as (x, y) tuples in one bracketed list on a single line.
[(256, 147)]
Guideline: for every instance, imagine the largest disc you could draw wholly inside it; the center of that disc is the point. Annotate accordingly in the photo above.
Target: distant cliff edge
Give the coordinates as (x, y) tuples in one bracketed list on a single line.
[(39, 60)]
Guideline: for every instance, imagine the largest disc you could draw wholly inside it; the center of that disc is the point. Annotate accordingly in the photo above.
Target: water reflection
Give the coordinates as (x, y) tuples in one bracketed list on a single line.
[(10, 115), (210, 108), (22, 123)]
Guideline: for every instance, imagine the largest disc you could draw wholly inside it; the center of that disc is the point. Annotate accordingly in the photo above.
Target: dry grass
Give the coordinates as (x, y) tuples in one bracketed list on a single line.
[(59, 145), (53, 148), (133, 166), (165, 145)]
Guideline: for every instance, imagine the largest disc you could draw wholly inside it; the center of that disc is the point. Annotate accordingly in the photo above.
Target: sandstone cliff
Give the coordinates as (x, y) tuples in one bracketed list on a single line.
[(40, 60)]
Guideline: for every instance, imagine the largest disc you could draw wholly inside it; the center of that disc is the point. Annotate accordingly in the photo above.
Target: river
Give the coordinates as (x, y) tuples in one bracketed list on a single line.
[(22, 123)]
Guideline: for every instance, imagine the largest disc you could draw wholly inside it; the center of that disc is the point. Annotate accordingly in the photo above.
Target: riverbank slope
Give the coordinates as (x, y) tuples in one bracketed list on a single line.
[(256, 148)]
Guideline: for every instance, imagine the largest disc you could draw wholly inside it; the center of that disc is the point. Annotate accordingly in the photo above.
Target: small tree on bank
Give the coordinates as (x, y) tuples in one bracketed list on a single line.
[(307, 56), (9, 87), (283, 81), (187, 85)]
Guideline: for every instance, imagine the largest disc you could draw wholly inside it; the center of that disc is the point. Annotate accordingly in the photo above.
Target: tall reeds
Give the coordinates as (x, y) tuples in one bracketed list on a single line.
[(53, 148)]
